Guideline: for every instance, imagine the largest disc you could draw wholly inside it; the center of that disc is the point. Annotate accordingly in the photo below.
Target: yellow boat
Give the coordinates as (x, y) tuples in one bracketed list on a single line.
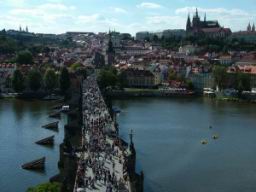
[(204, 142), (215, 137)]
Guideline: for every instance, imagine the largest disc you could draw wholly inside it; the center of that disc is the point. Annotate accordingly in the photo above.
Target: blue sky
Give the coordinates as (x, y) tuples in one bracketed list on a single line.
[(59, 16)]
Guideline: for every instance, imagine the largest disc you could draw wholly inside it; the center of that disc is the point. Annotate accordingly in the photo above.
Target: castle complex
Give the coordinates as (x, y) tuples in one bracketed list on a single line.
[(251, 28), (208, 28)]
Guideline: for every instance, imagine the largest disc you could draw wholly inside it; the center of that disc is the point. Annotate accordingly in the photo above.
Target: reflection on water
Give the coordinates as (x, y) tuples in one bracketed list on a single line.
[(168, 135), (20, 127)]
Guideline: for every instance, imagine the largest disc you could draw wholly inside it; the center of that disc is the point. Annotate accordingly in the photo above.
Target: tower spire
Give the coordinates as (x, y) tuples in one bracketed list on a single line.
[(188, 27), (249, 28), (205, 17), (253, 28), (196, 12)]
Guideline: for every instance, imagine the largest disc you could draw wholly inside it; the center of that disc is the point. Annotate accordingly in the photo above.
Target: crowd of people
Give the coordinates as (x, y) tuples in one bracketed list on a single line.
[(103, 164)]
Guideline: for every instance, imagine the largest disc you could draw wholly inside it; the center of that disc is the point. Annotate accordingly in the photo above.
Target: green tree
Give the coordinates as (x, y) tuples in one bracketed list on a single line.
[(172, 75), (47, 187), (18, 81), (189, 84), (220, 76), (24, 57), (34, 80), (107, 78), (64, 80), (243, 83), (75, 66), (155, 38), (50, 79), (122, 80)]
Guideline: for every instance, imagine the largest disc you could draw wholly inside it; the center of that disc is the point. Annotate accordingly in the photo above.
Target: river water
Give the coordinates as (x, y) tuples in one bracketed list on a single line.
[(20, 127), (168, 134)]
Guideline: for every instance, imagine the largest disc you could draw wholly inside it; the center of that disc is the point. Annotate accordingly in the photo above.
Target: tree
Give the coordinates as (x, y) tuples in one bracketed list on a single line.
[(18, 81), (155, 38), (172, 75), (64, 80), (189, 84), (47, 187), (220, 75), (243, 83), (50, 79), (24, 57), (34, 80), (107, 78), (122, 79), (75, 66)]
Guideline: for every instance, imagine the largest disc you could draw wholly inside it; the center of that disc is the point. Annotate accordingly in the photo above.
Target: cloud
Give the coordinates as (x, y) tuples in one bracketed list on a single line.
[(118, 10), (44, 11), (90, 18), (96, 22), (49, 17), (166, 22), (14, 3), (149, 5), (219, 11)]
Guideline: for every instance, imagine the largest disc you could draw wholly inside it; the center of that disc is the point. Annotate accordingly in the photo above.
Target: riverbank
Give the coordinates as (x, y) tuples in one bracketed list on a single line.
[(132, 92), (33, 95)]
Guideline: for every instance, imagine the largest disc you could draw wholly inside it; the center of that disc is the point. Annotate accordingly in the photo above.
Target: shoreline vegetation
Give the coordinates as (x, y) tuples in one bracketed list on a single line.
[(49, 187), (131, 93)]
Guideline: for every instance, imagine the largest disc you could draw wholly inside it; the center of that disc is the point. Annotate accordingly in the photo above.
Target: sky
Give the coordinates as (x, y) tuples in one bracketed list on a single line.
[(60, 16)]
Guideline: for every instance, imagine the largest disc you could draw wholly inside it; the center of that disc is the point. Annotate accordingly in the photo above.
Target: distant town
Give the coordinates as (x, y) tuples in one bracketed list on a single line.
[(206, 58)]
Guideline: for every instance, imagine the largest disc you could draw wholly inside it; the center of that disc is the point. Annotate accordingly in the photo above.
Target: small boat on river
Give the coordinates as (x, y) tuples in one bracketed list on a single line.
[(204, 142), (38, 164), (215, 137)]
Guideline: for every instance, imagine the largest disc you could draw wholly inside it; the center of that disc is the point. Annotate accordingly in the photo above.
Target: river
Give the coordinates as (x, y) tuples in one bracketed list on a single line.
[(20, 127), (168, 134)]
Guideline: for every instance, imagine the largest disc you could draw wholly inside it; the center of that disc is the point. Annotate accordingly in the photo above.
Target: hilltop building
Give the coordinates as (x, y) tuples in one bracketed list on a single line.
[(212, 29), (248, 35)]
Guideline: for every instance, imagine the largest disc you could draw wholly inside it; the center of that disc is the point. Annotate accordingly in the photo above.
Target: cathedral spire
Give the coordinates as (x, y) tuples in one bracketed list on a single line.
[(196, 12), (253, 28), (205, 17), (249, 28), (188, 23)]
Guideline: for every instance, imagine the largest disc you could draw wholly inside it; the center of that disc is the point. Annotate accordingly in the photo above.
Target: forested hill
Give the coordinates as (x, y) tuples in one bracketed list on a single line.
[(15, 41)]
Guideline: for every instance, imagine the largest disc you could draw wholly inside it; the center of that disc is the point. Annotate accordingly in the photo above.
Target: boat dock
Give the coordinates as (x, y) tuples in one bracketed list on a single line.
[(104, 163)]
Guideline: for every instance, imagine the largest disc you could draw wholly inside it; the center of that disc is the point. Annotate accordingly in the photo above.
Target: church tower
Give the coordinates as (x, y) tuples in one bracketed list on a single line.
[(249, 28), (196, 21), (253, 28), (188, 27), (197, 13)]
